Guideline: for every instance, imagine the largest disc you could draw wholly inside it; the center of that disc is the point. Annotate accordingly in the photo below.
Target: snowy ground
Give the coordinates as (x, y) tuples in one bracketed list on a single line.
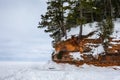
[(52, 71)]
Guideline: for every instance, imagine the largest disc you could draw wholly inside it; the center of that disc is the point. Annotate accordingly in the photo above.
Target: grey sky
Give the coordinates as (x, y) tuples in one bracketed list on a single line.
[(20, 39)]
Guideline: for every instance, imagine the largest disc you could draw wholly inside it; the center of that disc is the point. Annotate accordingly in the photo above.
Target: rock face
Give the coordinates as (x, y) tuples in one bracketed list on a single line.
[(90, 51)]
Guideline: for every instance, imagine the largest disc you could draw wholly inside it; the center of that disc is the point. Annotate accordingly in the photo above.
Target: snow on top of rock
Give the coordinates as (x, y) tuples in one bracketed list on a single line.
[(95, 50), (114, 43), (76, 55), (87, 28), (116, 31), (98, 50), (90, 27)]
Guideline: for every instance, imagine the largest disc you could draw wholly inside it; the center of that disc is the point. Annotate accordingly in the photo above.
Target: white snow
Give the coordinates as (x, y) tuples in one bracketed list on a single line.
[(116, 31), (53, 71), (114, 42), (87, 28), (98, 49), (76, 55)]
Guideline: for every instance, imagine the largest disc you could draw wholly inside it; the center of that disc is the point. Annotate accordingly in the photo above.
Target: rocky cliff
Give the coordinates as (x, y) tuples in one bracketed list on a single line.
[(89, 49)]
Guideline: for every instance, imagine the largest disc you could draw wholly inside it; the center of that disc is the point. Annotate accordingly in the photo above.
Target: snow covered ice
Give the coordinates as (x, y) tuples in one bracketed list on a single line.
[(53, 71)]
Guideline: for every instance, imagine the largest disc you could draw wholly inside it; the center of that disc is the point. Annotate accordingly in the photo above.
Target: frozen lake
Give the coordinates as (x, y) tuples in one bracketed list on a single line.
[(53, 71)]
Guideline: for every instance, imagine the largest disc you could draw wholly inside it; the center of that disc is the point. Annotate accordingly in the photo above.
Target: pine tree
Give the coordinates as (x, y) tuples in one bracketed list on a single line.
[(116, 5), (53, 20), (106, 24), (79, 14)]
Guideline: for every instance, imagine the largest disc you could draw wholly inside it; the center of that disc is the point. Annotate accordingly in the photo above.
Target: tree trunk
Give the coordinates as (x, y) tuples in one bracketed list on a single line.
[(80, 32), (81, 22), (105, 9), (64, 27), (65, 32), (118, 9), (111, 11), (92, 16)]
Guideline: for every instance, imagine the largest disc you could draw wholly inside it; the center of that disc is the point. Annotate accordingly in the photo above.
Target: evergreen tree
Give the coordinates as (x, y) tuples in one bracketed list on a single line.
[(106, 24), (53, 20), (81, 12), (116, 6)]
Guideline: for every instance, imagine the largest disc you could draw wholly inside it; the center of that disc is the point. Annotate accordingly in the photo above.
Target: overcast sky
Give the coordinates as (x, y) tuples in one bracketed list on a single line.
[(20, 39)]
